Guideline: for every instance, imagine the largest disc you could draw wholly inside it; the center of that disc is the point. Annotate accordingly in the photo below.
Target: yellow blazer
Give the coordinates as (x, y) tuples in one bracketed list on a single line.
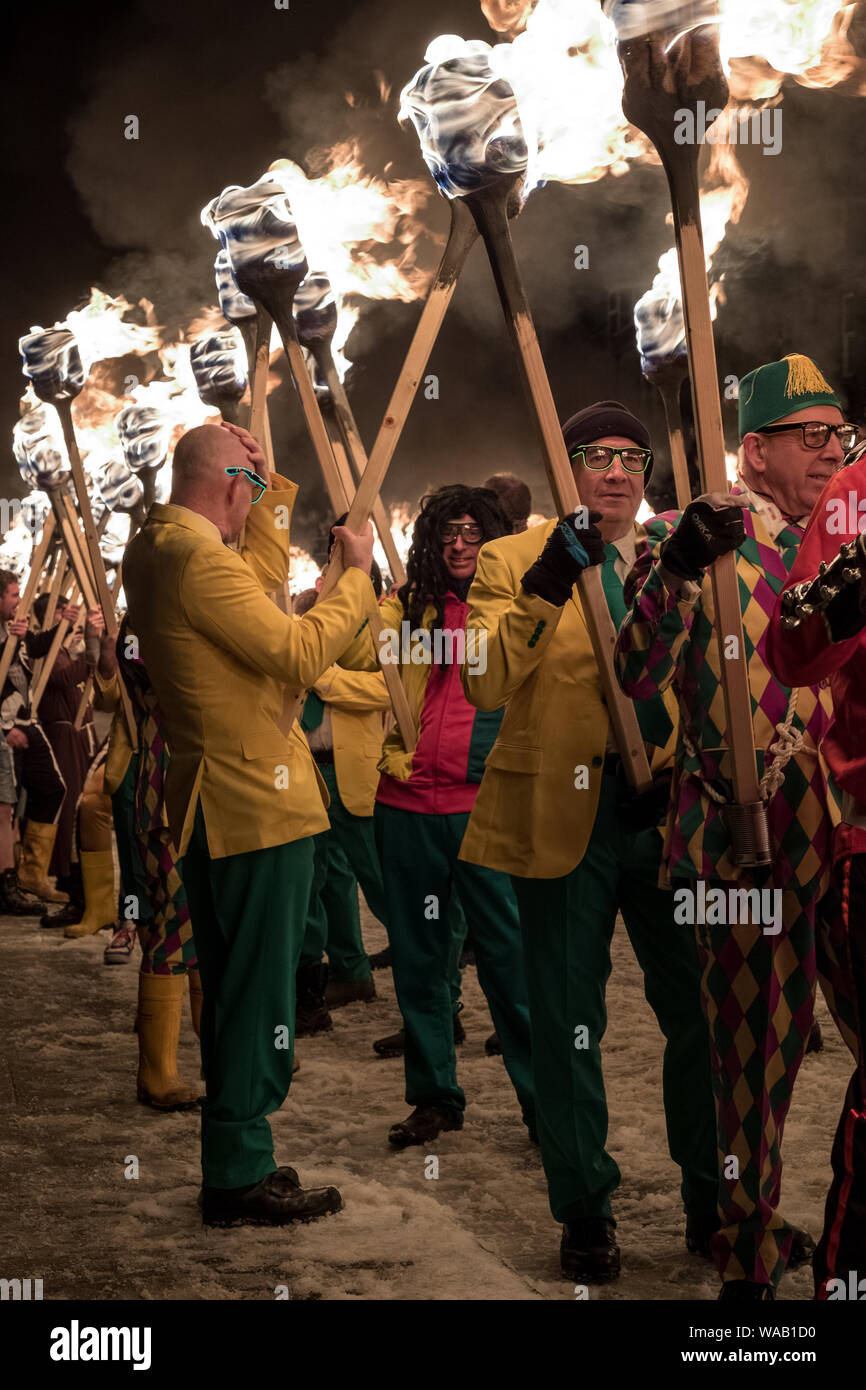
[(356, 701), (529, 818), (218, 653)]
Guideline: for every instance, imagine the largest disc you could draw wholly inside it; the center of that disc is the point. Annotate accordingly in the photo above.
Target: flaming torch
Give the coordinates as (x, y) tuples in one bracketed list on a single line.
[(474, 145), (53, 363), (145, 436), (256, 226), (666, 71), (241, 312), (220, 374), (316, 323), (42, 462), (658, 318)]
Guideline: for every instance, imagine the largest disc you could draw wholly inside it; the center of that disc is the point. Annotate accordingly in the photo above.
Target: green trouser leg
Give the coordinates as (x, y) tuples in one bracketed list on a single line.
[(567, 926), (352, 860), (459, 929), (133, 880), (249, 912), (420, 867), (316, 925)]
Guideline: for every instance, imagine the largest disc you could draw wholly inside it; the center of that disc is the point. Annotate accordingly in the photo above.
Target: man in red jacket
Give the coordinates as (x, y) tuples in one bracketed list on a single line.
[(830, 644)]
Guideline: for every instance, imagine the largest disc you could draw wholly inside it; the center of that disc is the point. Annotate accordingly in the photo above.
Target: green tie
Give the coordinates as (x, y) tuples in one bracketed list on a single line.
[(653, 718), (313, 711)]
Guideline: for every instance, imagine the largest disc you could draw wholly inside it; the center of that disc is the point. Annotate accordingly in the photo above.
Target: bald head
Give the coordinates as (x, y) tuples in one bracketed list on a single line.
[(199, 480)]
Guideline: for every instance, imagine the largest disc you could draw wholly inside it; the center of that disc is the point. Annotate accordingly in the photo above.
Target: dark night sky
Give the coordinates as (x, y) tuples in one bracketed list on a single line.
[(221, 89)]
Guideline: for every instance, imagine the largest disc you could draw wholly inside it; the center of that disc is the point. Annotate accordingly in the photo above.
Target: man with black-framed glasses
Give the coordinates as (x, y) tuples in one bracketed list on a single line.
[(554, 812), (758, 974)]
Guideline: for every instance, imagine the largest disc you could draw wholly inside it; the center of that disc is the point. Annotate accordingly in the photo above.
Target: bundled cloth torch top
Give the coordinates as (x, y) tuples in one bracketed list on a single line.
[(52, 361), (466, 117), (256, 228)]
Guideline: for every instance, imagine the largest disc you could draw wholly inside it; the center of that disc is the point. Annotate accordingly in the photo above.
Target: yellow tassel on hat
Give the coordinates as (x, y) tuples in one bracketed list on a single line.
[(804, 378)]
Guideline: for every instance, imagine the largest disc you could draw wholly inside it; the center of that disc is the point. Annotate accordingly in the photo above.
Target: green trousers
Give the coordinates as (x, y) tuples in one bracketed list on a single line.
[(248, 912), (133, 882), (567, 928), (345, 856), (419, 866)]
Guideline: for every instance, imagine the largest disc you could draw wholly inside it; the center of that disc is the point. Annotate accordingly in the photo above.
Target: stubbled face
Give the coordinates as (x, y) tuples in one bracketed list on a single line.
[(9, 602), (613, 491), (781, 467), (460, 555)]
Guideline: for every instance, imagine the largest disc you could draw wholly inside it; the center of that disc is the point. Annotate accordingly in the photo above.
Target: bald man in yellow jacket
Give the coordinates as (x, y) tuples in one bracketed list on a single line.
[(243, 797)]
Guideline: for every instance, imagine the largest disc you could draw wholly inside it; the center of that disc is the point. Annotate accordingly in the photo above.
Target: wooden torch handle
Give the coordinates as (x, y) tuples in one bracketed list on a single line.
[(31, 589), (489, 210)]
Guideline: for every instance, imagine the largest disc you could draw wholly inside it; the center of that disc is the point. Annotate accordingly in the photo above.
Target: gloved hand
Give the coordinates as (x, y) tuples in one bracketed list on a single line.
[(568, 551), (710, 526), (845, 614)]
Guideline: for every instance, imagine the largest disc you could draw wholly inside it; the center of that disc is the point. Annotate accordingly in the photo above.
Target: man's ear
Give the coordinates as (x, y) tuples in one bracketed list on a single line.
[(755, 452)]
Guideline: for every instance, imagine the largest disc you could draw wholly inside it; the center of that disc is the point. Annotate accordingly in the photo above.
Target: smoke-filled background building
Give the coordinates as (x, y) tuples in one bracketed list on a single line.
[(221, 90)]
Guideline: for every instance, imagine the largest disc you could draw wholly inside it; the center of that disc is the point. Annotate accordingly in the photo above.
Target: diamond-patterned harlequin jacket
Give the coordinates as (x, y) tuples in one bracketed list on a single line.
[(667, 639)]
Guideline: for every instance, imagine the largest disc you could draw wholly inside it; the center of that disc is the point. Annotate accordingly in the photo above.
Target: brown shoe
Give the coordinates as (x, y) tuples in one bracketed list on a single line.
[(424, 1124), (340, 992)]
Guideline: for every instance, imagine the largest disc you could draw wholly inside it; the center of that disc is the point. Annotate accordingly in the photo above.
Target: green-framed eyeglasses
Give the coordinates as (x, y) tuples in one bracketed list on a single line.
[(254, 478), (599, 456)]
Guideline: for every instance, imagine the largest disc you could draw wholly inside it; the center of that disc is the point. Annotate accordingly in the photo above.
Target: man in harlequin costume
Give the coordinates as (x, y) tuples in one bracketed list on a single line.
[(758, 977), (422, 808), (555, 812), (830, 644)]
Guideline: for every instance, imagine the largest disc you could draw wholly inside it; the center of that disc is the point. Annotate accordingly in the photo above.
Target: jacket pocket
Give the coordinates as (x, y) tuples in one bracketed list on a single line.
[(265, 744), (508, 757)]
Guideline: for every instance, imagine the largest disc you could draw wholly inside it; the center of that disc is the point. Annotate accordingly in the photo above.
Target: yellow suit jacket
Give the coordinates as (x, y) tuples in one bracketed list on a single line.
[(218, 653), (356, 701), (530, 819)]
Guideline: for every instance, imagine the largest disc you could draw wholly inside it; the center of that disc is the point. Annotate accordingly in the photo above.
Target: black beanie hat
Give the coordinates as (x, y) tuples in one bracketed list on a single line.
[(604, 418)]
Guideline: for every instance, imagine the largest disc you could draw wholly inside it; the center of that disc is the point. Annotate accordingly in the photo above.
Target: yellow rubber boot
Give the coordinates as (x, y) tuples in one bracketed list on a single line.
[(100, 899), (160, 1004), (36, 846), (196, 998)]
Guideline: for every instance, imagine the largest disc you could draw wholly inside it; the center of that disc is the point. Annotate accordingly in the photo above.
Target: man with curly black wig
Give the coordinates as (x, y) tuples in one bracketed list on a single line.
[(422, 808)]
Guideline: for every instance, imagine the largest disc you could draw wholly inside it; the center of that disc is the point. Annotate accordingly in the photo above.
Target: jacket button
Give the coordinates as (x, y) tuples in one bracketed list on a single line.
[(597, 760)]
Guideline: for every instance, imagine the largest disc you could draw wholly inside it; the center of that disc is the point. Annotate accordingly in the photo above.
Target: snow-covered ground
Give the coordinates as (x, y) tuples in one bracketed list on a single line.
[(481, 1230)]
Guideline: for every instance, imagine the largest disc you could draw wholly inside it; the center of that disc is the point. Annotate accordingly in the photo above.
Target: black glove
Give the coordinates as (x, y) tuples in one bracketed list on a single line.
[(846, 613), (703, 534), (567, 553)]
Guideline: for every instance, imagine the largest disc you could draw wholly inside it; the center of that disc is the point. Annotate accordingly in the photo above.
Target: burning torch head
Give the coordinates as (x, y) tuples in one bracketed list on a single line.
[(218, 363), (466, 118), (119, 488), (315, 310), (53, 363), (236, 307), (256, 227), (144, 434), (39, 449), (661, 333), (669, 53)]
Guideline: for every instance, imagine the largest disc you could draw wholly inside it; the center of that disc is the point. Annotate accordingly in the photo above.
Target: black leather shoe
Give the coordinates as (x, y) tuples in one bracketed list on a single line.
[(311, 1011), (802, 1249), (814, 1043), (381, 960), (589, 1250), (424, 1124), (493, 1047), (15, 901), (700, 1229), (66, 916), (394, 1044), (744, 1291), (275, 1201)]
